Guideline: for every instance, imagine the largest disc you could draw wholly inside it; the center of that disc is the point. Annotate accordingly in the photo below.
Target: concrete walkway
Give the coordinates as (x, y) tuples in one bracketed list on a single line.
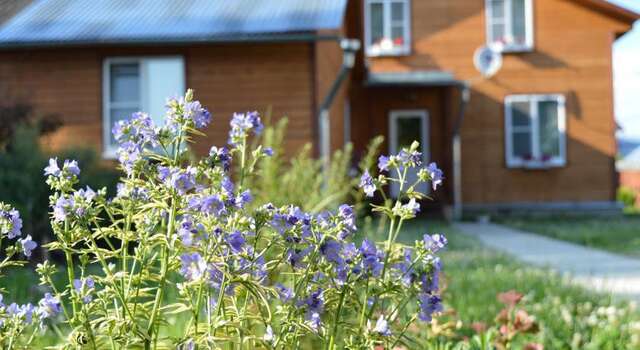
[(591, 268)]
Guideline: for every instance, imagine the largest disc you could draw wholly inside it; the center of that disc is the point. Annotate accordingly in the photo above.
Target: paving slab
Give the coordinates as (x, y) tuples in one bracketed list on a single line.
[(592, 268)]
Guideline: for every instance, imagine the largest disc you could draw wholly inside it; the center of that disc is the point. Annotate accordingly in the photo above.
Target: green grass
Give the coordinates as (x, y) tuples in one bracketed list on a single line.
[(570, 317), (619, 234), (567, 314)]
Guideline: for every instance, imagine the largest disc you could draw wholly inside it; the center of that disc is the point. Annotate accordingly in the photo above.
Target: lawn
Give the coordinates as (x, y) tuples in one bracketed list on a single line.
[(569, 317), (618, 234)]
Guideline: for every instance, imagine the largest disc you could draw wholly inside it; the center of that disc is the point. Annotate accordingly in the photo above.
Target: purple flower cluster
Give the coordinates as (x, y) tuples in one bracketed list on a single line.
[(241, 124), (11, 226), (221, 156), (367, 184), (193, 266), (435, 174), (404, 159), (47, 308), (69, 169), (184, 110), (84, 288), (133, 136), (181, 180), (77, 205), (10, 222)]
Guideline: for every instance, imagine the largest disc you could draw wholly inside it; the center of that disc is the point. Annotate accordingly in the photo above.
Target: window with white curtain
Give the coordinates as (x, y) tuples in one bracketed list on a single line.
[(510, 24), (132, 84), (387, 27), (535, 131)]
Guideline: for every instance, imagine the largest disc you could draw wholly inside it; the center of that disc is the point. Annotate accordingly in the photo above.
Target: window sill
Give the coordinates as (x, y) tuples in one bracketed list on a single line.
[(533, 165), (388, 53), (512, 49)]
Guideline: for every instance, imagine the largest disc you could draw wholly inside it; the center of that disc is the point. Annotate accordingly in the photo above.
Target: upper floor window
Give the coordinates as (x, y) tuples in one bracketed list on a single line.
[(387, 27), (510, 24), (535, 131), (132, 84)]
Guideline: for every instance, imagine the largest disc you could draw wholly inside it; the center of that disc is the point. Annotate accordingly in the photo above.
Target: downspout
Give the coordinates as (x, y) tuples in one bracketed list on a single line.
[(465, 93), (349, 48)]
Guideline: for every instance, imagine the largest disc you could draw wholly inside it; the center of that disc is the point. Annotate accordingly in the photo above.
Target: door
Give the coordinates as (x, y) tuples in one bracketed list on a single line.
[(406, 126)]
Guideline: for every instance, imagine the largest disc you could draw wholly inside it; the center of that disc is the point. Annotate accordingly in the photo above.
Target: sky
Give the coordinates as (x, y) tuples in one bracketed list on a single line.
[(626, 76)]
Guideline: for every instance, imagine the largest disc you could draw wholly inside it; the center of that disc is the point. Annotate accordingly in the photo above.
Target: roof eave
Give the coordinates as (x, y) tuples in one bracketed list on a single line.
[(618, 12), (242, 38)]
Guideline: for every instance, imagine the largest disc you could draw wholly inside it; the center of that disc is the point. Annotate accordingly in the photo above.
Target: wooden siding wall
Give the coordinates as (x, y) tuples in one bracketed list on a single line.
[(328, 62), (572, 56), (226, 79)]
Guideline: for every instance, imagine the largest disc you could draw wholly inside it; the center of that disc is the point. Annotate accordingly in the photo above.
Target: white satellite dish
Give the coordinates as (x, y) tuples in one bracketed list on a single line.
[(487, 60)]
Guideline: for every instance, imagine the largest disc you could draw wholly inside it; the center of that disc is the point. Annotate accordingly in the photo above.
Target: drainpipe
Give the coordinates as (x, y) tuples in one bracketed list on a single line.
[(349, 48), (457, 152)]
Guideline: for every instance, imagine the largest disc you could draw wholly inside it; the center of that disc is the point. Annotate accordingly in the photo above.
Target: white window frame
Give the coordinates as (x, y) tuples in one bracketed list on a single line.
[(508, 27), (108, 150), (536, 162), (423, 114), (387, 24)]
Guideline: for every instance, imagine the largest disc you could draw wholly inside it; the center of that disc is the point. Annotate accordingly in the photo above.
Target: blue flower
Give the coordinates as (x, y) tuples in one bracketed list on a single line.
[(28, 245), (193, 266), (183, 180), (314, 321), (10, 222), (26, 311), (434, 243), (241, 124), (129, 153), (184, 110), (366, 183), (212, 205), (268, 151), (69, 169), (412, 206), (346, 213), (382, 327), (330, 249), (371, 258), (62, 208), (429, 304), (435, 174), (383, 163), (222, 156), (315, 301), (285, 294), (49, 306), (412, 159), (84, 288), (243, 198), (236, 241), (295, 256), (52, 168), (71, 166), (199, 115)]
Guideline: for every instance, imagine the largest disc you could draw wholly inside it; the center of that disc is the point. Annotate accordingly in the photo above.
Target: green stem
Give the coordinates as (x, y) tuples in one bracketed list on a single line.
[(336, 321), (163, 272)]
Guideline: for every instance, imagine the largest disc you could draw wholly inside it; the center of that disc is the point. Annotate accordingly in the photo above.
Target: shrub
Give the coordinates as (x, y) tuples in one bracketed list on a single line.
[(627, 196), (304, 181), (184, 260)]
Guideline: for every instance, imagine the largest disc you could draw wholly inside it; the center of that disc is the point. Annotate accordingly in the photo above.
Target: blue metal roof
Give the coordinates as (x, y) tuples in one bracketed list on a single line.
[(59, 22)]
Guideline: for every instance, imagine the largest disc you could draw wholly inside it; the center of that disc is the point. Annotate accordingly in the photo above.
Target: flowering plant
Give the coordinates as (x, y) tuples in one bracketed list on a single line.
[(180, 258)]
